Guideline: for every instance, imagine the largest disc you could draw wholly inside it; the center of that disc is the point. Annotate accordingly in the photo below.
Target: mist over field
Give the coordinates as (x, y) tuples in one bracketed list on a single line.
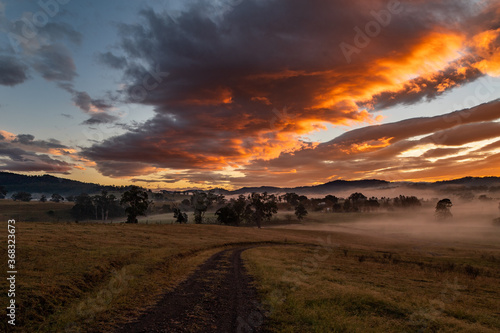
[(472, 223)]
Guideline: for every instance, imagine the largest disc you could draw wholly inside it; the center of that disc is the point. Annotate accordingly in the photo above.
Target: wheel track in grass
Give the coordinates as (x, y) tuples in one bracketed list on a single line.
[(218, 297)]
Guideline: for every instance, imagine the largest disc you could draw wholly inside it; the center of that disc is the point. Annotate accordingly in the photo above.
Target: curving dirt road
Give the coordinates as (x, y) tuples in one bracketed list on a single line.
[(217, 297)]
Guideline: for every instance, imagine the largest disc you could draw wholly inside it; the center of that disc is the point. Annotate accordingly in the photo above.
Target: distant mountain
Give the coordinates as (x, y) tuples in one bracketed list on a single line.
[(330, 187), (466, 183), (472, 183), (47, 184)]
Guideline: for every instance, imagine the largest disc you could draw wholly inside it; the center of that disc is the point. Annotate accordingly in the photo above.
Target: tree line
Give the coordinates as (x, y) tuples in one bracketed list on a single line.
[(255, 208)]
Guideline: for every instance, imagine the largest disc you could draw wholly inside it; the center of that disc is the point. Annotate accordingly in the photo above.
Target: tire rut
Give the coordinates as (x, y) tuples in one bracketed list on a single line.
[(217, 297)]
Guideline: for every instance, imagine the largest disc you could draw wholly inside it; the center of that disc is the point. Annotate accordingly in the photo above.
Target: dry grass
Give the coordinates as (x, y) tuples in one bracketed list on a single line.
[(35, 211), (370, 285), (93, 276)]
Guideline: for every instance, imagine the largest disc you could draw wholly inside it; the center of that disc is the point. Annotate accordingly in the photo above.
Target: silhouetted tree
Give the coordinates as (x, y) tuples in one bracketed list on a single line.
[(331, 199), (291, 198), (303, 200), (22, 196), (261, 207), (180, 216), (337, 208), (371, 204), (104, 203), (3, 192), (43, 198), (238, 209), (347, 205), (137, 203), (300, 211), (56, 198), (227, 215), (406, 202), (443, 209), (357, 201), (201, 202), (83, 208)]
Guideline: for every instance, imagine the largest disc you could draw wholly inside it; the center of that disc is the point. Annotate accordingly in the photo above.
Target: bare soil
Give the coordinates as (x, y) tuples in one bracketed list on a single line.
[(218, 297)]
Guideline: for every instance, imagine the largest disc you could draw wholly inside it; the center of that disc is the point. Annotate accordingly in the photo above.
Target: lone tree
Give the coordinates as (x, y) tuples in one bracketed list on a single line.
[(180, 216), (201, 202), (300, 211), (443, 209), (137, 203), (261, 207), (43, 198)]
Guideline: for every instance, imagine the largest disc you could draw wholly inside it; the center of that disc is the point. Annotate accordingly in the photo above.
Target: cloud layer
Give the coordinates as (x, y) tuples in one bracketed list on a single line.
[(22, 153), (219, 85), (237, 89)]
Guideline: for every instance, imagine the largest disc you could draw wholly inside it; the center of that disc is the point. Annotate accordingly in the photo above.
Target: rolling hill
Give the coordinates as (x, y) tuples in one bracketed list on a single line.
[(48, 184)]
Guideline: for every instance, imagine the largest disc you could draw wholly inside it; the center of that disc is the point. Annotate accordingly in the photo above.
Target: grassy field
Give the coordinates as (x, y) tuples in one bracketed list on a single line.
[(35, 211), (372, 284), (88, 277), (79, 277)]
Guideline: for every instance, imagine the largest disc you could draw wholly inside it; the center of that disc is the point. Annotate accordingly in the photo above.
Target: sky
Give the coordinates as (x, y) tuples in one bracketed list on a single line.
[(231, 93)]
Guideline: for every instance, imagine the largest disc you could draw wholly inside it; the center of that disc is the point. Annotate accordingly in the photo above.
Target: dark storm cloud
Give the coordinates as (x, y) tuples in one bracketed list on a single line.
[(428, 88), (214, 80), (15, 154), (378, 150), (28, 139), (12, 71), (16, 159)]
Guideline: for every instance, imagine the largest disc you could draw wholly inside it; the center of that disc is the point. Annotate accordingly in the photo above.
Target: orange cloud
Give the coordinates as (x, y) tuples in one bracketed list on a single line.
[(487, 47), (367, 146), (7, 135), (224, 98)]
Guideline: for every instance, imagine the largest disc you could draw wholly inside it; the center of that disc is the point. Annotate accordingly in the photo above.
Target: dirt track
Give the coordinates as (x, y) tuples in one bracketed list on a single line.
[(217, 297)]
